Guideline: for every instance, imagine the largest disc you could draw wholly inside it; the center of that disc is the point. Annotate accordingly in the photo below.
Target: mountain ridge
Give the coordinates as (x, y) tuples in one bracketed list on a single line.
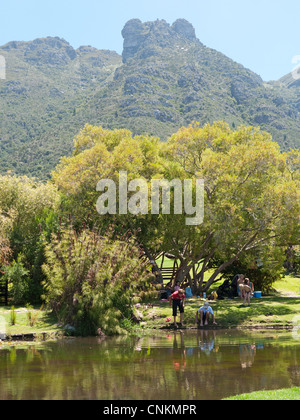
[(164, 79)]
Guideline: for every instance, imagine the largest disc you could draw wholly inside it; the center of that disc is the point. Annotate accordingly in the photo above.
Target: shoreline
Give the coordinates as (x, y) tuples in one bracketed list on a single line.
[(32, 337), (281, 313), (53, 336)]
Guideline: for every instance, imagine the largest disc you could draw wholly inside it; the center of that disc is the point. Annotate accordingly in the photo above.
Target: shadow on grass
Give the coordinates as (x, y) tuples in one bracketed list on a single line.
[(282, 300), (228, 313), (231, 314)]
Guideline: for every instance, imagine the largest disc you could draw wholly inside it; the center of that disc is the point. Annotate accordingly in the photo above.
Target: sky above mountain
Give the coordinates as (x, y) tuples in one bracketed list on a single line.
[(262, 35)]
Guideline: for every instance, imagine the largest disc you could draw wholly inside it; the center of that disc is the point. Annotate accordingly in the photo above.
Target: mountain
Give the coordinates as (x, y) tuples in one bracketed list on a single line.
[(164, 79), (43, 100)]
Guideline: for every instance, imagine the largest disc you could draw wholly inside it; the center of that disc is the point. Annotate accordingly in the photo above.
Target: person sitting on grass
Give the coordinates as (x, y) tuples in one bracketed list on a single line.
[(204, 312), (178, 302)]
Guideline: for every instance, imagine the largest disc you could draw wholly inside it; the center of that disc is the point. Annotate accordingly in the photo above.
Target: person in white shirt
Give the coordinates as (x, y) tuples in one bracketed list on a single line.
[(204, 312)]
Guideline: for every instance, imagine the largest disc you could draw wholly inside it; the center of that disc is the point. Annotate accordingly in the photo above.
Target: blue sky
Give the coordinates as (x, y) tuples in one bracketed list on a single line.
[(263, 35)]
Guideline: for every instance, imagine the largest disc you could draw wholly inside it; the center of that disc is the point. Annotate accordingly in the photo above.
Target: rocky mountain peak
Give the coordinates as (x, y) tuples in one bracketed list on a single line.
[(53, 51), (146, 37), (185, 29)]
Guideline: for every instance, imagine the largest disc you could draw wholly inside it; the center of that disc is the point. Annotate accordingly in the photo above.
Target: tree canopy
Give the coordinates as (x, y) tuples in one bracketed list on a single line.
[(251, 193), (53, 242)]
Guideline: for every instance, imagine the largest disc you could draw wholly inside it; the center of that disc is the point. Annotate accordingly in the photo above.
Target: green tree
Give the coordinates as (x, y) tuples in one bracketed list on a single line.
[(24, 205), (100, 154), (17, 277), (251, 194), (6, 221), (90, 279), (252, 202)]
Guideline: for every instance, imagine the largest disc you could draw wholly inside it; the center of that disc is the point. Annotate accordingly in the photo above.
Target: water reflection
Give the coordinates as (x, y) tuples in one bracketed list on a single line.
[(247, 355), (176, 366)]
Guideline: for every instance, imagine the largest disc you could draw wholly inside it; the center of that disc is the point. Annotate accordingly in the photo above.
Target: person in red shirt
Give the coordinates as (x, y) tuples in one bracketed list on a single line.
[(178, 298)]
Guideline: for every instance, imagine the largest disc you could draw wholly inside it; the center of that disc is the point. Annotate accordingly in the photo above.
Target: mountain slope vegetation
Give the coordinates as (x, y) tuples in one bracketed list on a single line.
[(166, 78)]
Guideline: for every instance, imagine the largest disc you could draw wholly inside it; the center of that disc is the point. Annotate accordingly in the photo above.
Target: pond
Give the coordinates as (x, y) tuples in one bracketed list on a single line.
[(191, 365)]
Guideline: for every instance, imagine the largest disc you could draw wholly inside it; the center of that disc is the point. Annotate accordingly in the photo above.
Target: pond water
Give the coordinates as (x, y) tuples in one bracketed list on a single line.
[(192, 365)]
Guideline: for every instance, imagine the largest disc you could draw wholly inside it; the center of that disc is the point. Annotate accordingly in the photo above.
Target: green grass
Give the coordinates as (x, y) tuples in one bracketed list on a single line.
[(278, 395), (280, 309), (288, 285), (273, 311), (265, 312), (42, 321)]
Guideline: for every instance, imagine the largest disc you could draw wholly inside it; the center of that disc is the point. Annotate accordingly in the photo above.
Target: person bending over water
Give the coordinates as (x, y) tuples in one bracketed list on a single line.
[(205, 312)]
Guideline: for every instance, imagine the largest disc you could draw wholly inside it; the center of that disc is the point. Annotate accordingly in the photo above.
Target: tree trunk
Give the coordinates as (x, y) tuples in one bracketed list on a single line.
[(155, 268)]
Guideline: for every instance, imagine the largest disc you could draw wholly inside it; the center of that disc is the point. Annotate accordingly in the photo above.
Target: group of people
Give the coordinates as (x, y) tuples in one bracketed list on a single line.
[(245, 291), (177, 299)]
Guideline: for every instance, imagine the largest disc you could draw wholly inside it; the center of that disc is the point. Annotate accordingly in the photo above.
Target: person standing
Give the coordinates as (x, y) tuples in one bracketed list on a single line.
[(247, 292), (177, 298), (240, 283)]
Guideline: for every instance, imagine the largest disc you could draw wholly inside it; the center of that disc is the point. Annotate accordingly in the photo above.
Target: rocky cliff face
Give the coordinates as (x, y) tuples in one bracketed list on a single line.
[(45, 51), (170, 78), (166, 78), (145, 38), (185, 29)]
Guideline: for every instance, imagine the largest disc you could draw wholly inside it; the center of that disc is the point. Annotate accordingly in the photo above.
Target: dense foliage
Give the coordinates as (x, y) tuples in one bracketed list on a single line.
[(251, 194), (91, 280), (90, 272), (168, 80), (27, 207), (251, 203)]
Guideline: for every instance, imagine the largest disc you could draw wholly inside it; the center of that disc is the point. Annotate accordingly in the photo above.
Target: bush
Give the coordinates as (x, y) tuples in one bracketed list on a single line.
[(91, 280), (293, 263), (18, 280)]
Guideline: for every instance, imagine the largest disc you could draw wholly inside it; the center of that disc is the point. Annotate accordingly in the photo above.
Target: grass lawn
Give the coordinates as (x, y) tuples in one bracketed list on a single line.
[(278, 395), (265, 312), (289, 285), (41, 321), (280, 309)]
